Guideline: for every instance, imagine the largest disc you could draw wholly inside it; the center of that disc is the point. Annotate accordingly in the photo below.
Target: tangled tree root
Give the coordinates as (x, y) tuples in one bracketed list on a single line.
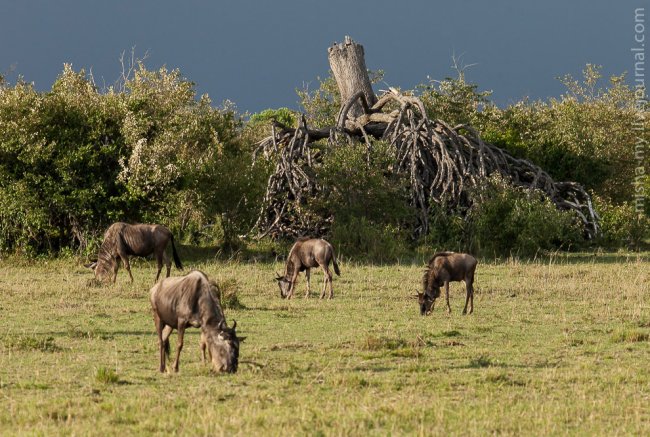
[(441, 162)]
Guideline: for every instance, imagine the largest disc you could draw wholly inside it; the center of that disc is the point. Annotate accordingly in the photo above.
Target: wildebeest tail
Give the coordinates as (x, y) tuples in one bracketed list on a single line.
[(177, 260), (336, 267)]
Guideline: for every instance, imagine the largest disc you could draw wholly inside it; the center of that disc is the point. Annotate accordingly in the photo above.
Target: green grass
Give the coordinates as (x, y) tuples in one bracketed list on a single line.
[(555, 346), (106, 376)]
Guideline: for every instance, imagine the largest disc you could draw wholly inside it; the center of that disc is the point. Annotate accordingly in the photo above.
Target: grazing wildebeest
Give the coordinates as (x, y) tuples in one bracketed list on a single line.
[(445, 267), (305, 254), (191, 301), (122, 240)]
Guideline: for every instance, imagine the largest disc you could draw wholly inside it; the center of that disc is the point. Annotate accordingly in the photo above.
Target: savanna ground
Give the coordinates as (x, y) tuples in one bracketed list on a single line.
[(555, 346)]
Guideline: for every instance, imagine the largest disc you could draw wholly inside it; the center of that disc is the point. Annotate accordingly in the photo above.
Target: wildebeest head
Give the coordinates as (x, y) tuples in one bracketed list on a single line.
[(426, 303), (284, 285), (104, 268), (223, 345)]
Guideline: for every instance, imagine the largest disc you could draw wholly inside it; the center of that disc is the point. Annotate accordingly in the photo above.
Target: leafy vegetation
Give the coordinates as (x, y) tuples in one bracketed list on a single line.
[(77, 158)]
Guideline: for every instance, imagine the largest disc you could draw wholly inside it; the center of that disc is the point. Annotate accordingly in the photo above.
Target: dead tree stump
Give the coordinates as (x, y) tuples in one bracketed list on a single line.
[(348, 65), (441, 162)]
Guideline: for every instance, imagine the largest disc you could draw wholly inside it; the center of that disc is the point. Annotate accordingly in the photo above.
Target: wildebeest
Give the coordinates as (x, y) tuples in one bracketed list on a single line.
[(122, 240), (305, 254), (443, 268), (191, 301)]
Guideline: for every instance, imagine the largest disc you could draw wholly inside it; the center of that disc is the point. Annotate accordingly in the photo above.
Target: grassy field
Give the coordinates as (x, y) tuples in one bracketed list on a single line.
[(557, 346)]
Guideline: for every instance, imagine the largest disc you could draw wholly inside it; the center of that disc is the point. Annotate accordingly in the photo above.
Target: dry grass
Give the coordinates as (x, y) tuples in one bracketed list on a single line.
[(554, 347)]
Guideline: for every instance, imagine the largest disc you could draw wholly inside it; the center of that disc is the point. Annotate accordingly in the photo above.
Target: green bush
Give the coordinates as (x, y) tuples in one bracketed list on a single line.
[(59, 160), (448, 229), (105, 375), (360, 238), (506, 220), (356, 182), (75, 159), (372, 218), (621, 225)]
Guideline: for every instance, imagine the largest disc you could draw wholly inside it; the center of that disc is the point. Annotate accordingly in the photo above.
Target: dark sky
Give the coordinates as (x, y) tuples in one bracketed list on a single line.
[(256, 53)]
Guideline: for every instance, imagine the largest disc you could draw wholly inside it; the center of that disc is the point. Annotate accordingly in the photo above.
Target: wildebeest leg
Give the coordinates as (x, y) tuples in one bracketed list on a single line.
[(181, 333), (204, 345), (308, 283), (168, 263), (167, 331), (446, 283), (116, 266), (159, 262), (326, 280), (159, 330), (468, 287), (127, 266), (294, 277), (329, 279)]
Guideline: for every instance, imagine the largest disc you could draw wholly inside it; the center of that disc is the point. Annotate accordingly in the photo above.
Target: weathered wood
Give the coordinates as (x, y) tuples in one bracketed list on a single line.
[(348, 66), (442, 163)]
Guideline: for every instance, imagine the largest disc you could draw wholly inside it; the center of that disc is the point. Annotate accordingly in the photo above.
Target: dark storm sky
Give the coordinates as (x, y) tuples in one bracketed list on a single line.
[(256, 53)]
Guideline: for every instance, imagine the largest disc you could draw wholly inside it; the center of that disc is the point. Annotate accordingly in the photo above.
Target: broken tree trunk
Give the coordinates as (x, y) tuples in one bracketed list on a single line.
[(348, 65), (441, 162)]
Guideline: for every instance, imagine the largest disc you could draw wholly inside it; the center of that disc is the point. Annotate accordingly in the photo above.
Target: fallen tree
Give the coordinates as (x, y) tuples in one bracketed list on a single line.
[(441, 162)]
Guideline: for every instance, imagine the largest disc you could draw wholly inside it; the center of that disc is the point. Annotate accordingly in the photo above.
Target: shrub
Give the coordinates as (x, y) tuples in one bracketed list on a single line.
[(229, 294), (507, 220), (448, 229), (106, 376), (586, 135), (621, 225), (75, 159), (59, 154), (30, 342), (369, 204), (357, 182), (362, 239)]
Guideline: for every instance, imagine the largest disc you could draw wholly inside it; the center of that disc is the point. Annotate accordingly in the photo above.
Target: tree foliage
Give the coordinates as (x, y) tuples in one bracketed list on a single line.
[(76, 158)]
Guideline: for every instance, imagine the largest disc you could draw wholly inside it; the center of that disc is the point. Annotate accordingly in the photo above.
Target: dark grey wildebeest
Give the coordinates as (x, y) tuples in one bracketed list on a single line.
[(122, 240), (305, 254), (443, 268), (191, 301)]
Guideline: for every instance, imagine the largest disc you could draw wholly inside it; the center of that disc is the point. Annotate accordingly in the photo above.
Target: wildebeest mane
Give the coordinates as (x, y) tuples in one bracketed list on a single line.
[(429, 272), (289, 268), (105, 253)]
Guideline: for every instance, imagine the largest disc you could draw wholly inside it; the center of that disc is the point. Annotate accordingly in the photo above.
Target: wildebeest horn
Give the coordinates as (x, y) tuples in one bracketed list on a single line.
[(234, 324), (277, 276), (91, 265), (222, 325)]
